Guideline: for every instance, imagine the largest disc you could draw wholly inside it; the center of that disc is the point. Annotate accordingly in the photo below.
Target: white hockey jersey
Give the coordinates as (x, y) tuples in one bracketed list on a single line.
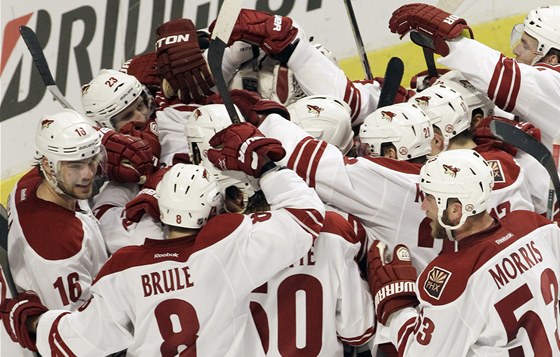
[(496, 296), (190, 295), (312, 306), (52, 250)]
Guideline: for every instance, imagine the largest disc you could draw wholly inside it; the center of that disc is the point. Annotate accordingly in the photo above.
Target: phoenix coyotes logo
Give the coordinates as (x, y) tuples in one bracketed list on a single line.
[(436, 281), (314, 109), (46, 123), (197, 113), (451, 170), (205, 174), (423, 100), (85, 89), (388, 115)]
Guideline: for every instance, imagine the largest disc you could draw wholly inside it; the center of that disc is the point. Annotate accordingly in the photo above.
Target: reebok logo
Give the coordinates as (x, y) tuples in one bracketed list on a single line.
[(277, 23), (169, 40), (166, 255)]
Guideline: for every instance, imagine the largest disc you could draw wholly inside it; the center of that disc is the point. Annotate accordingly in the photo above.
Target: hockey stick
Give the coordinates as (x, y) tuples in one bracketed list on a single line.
[(220, 37), (523, 141), (391, 82), (4, 251), (358, 38), (32, 43)]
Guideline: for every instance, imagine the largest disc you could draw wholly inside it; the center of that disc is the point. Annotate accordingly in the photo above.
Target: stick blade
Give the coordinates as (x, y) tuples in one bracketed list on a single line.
[(32, 42), (392, 81)]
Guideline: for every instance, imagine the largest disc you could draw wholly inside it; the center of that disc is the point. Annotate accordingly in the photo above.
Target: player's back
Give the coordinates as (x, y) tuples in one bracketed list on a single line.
[(320, 301), (498, 294)]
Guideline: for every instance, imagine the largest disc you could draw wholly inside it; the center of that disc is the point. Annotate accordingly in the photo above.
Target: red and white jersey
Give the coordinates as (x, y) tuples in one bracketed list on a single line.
[(52, 250), (496, 296), (166, 296), (316, 74), (511, 190), (383, 193), (320, 301), (531, 92), (109, 208)]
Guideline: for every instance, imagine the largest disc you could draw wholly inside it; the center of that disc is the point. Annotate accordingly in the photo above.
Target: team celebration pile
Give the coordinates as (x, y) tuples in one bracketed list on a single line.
[(235, 194)]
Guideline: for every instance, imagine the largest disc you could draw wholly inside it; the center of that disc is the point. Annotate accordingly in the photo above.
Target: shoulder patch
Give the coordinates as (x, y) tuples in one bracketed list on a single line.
[(436, 281), (496, 166)]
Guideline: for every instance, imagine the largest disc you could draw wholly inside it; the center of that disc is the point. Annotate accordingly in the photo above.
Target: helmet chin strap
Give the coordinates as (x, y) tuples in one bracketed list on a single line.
[(449, 230), (54, 182)]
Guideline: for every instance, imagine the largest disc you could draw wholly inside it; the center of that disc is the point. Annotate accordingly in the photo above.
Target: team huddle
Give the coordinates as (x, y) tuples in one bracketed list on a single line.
[(325, 223)]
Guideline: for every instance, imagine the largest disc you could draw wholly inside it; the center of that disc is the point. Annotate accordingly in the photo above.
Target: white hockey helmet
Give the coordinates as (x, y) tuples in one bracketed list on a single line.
[(187, 196), (66, 136), (472, 96), (462, 174), (108, 94), (201, 126), (404, 125), (325, 118), (446, 108), (543, 24)]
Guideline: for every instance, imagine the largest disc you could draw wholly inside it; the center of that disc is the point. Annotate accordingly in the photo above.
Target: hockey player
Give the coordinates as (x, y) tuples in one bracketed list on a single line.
[(526, 86), (187, 293), (502, 279), (450, 116)]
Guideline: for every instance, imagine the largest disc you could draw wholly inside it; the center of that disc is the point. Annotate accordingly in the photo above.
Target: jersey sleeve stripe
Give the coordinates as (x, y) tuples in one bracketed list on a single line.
[(305, 159), (404, 334), (358, 340), (57, 345), (309, 219), (504, 86), (352, 96)]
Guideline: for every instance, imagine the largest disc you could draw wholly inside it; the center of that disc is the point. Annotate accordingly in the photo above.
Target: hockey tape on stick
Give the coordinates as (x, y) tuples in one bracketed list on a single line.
[(391, 82), (523, 141), (220, 36), (358, 38), (32, 43)]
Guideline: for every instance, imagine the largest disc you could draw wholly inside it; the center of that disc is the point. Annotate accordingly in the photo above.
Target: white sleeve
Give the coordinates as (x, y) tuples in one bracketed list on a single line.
[(171, 122), (316, 74)]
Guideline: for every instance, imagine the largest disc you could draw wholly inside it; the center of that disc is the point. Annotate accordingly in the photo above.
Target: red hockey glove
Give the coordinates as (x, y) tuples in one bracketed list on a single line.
[(244, 148), (15, 313), (146, 131), (144, 68), (392, 283), (180, 61), (129, 159), (273, 33), (253, 107), (435, 25), (146, 200)]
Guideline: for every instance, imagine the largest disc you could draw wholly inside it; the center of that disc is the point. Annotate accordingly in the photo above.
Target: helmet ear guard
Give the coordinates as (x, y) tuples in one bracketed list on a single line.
[(405, 125), (461, 174)]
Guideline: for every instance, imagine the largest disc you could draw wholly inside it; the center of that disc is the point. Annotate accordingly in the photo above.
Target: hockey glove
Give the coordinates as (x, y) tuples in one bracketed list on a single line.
[(392, 283), (180, 62), (146, 200), (144, 68), (273, 33), (244, 148), (148, 132), (434, 25), (129, 159), (15, 313)]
